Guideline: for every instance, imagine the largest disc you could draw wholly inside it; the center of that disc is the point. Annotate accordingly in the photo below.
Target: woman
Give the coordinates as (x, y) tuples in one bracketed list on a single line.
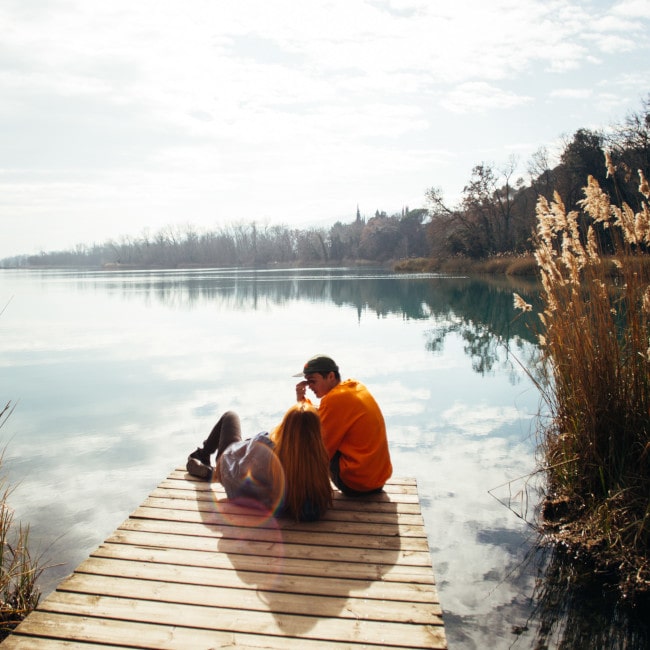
[(287, 471)]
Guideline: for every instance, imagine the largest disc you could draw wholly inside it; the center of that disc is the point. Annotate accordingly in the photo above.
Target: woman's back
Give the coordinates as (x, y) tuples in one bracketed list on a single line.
[(304, 460), (248, 469), (287, 472)]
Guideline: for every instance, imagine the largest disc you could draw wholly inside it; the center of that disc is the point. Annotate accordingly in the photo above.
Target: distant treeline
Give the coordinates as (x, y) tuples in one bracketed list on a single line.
[(496, 215)]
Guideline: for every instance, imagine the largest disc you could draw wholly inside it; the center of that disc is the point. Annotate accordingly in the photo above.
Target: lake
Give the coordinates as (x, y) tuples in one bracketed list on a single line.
[(117, 376)]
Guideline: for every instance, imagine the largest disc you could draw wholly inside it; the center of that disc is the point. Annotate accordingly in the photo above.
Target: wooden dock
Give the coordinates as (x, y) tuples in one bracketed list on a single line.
[(189, 570)]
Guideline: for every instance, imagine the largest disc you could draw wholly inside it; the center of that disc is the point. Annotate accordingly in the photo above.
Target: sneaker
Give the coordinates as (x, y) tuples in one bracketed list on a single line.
[(202, 455), (198, 464)]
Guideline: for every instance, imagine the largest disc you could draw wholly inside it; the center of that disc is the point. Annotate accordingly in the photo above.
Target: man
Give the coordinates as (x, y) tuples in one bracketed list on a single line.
[(352, 425)]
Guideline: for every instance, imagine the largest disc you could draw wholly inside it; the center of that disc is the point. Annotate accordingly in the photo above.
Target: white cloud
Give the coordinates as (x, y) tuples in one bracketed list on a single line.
[(481, 96), (135, 115), (572, 93), (632, 9)]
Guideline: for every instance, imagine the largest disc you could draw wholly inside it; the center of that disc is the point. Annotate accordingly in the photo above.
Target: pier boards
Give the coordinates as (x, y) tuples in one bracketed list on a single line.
[(191, 570)]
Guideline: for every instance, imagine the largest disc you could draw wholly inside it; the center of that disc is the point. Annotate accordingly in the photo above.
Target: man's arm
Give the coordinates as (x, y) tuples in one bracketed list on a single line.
[(335, 418)]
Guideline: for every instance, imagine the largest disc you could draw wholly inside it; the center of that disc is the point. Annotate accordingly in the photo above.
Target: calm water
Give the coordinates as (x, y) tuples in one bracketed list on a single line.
[(118, 376)]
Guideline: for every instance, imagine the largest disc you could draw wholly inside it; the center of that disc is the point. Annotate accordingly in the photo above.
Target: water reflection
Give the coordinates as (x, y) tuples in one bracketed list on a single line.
[(482, 314), (479, 309), (571, 612), (119, 374)]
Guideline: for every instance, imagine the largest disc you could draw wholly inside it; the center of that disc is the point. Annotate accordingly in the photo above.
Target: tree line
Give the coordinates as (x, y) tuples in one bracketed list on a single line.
[(494, 216)]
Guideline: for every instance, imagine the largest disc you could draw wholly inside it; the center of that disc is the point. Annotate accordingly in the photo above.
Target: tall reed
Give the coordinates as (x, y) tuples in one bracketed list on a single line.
[(595, 339)]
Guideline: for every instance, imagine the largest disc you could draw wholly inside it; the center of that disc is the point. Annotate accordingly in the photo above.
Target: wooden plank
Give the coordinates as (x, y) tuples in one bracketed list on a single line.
[(206, 492), (190, 569), (271, 550), (326, 626), (181, 522), (166, 499), (79, 632), (188, 573), (277, 567), (405, 525), (400, 493), (249, 599), (393, 487)]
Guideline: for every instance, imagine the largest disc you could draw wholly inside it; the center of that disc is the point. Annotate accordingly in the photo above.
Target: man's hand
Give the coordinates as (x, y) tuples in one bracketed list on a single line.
[(301, 387)]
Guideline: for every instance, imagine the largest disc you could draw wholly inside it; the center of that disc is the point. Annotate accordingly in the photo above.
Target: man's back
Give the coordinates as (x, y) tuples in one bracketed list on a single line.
[(353, 425)]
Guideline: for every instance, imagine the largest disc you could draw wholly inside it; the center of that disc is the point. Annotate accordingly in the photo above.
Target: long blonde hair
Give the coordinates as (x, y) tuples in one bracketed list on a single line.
[(302, 454)]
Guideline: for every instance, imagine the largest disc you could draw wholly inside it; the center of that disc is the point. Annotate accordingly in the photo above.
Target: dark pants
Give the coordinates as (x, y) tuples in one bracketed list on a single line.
[(335, 473), (226, 431)]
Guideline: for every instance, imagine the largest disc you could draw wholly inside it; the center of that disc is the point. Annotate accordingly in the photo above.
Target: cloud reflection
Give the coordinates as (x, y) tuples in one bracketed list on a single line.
[(479, 420), (123, 385)]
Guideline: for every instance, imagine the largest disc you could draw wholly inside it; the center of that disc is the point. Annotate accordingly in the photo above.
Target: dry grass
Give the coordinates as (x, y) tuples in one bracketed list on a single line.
[(510, 265), (415, 265), (19, 571), (594, 335)]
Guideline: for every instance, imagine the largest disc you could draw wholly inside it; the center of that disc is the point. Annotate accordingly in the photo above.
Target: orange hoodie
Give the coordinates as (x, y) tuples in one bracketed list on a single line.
[(352, 423)]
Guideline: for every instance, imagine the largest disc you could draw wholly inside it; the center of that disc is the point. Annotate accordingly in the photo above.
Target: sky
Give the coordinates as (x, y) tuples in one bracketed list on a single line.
[(120, 119)]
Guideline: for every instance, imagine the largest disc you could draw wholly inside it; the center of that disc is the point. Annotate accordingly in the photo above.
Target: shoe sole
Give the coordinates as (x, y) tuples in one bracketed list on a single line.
[(196, 468)]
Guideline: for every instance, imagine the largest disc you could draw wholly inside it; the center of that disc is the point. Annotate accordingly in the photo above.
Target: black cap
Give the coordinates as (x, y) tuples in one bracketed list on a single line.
[(318, 363)]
